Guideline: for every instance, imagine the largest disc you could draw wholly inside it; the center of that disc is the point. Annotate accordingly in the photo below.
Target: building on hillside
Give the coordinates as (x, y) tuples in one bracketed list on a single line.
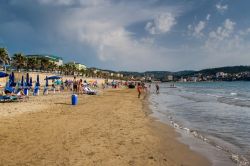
[(52, 58), (79, 66), (169, 78), (221, 75)]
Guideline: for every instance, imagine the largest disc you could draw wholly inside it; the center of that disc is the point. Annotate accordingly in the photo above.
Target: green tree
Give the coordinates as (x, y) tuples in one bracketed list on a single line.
[(44, 64), (52, 66), (19, 61), (83, 72), (4, 57), (31, 63), (61, 69)]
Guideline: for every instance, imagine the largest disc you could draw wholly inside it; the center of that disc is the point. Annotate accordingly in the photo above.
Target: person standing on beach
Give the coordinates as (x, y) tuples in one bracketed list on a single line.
[(75, 85), (157, 88), (139, 89)]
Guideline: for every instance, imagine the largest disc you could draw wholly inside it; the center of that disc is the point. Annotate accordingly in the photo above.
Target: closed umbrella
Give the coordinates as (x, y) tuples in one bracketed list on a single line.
[(47, 82), (30, 84), (10, 79), (37, 81), (22, 82), (27, 79), (13, 77), (12, 84)]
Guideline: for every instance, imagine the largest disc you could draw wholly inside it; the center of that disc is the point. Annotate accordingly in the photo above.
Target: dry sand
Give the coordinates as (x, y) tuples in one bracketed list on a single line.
[(109, 129)]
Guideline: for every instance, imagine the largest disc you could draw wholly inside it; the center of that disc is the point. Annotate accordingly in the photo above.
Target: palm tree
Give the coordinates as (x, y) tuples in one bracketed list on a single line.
[(4, 57), (61, 69), (52, 66), (31, 63), (19, 61), (44, 64), (66, 69), (83, 72)]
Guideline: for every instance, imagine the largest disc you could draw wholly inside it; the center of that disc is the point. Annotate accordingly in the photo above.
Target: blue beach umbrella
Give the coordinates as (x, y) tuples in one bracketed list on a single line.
[(12, 84), (10, 79), (47, 82), (27, 79), (13, 77), (2, 74), (37, 81), (22, 81), (30, 84), (53, 77)]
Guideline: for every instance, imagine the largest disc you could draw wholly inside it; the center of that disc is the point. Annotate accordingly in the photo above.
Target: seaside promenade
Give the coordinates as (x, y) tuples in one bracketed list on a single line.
[(112, 128)]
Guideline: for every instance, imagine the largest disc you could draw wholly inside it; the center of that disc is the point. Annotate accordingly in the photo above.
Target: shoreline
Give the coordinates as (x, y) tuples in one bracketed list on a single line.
[(112, 128), (166, 131), (168, 108)]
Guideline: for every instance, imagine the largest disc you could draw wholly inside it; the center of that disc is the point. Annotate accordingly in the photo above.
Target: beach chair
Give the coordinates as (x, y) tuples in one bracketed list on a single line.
[(7, 98), (89, 91)]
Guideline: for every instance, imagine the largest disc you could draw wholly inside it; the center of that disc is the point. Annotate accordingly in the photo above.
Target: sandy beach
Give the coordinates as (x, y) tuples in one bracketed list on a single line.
[(112, 128)]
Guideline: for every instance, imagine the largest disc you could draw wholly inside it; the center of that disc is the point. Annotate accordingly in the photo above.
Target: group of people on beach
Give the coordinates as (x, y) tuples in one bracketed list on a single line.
[(142, 87)]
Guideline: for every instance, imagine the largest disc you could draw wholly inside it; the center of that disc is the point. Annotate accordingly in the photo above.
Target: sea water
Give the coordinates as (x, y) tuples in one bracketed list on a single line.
[(213, 117)]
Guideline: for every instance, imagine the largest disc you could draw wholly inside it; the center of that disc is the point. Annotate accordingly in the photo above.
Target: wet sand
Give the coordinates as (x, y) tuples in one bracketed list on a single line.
[(112, 128)]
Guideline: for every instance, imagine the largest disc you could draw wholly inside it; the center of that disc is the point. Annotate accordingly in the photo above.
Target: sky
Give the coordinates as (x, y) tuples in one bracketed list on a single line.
[(130, 35)]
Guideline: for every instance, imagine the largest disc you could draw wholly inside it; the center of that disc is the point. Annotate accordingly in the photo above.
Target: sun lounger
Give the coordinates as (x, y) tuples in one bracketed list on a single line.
[(6, 98), (89, 91)]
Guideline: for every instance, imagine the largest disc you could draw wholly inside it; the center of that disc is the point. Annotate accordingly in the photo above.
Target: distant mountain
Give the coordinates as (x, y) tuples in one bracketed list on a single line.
[(185, 73), (228, 69), (157, 74)]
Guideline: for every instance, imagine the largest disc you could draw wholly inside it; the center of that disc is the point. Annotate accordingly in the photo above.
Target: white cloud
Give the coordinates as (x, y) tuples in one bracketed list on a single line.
[(161, 24), (208, 17), (72, 2), (223, 31), (226, 46), (221, 8), (101, 28), (197, 30)]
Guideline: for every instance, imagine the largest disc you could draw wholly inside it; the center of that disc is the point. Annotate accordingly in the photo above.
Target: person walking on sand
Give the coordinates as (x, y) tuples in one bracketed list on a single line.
[(157, 88), (139, 89), (75, 83)]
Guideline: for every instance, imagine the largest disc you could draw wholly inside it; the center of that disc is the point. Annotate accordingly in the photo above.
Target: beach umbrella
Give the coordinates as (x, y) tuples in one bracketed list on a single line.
[(13, 77), (53, 77), (22, 81), (10, 79), (12, 84), (37, 81), (30, 84), (27, 79), (47, 82), (2, 74)]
